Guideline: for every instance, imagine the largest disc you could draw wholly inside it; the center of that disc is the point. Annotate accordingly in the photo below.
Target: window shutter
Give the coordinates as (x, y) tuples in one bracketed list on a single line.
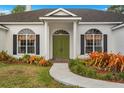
[(14, 44), (82, 44), (37, 44), (105, 42)]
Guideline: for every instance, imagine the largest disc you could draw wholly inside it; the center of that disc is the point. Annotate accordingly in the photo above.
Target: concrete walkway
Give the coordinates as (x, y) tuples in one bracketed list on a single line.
[(61, 73)]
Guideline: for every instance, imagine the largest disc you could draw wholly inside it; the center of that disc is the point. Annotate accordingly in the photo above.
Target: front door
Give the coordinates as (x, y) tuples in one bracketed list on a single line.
[(61, 46)]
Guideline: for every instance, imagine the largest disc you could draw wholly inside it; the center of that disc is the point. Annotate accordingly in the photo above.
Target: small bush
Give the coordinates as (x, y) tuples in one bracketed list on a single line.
[(121, 75), (25, 58), (44, 62), (91, 73), (79, 67), (12, 60), (108, 76), (4, 56), (38, 60)]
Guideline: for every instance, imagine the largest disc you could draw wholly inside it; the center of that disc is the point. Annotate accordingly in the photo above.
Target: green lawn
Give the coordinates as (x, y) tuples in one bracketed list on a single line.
[(26, 76)]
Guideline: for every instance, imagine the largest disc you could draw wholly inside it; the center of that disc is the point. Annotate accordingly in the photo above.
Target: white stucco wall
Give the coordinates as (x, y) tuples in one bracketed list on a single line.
[(81, 29), (67, 26), (118, 35), (105, 29), (39, 29), (2, 39)]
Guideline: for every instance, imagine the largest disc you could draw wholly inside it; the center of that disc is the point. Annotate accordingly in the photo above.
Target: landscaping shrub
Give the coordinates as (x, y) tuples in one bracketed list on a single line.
[(121, 75), (38, 60), (91, 73), (30, 59), (25, 58), (100, 66), (79, 67), (12, 60), (45, 63), (110, 62), (4, 56), (82, 68), (108, 76)]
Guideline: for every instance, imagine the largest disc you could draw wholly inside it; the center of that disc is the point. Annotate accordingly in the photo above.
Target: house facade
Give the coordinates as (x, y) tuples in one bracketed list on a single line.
[(62, 33)]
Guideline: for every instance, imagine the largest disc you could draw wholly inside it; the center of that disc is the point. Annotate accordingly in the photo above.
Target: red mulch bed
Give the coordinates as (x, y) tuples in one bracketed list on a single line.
[(102, 72)]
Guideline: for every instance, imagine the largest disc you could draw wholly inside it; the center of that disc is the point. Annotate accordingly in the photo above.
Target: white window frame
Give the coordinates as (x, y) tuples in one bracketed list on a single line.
[(93, 42), (26, 45)]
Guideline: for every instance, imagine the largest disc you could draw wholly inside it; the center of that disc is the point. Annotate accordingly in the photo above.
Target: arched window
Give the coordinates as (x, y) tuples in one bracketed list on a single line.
[(93, 41), (26, 39), (61, 32), (26, 31)]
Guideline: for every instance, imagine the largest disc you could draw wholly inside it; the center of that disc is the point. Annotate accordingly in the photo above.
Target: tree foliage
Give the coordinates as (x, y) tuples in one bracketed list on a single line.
[(2, 14), (18, 9), (116, 8)]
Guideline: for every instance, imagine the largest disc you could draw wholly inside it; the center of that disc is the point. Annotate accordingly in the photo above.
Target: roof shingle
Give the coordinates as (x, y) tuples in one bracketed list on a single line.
[(88, 15)]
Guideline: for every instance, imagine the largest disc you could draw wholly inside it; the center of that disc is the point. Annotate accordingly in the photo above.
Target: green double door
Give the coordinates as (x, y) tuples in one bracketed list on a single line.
[(61, 46)]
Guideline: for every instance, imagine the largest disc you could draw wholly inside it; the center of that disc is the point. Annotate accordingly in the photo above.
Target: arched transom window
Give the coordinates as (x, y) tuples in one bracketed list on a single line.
[(26, 39), (61, 32), (93, 41)]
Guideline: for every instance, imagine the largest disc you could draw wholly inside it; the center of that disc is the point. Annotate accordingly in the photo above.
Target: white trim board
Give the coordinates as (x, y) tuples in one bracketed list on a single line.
[(2, 27), (65, 18), (21, 23), (60, 9), (116, 27), (100, 23), (60, 18)]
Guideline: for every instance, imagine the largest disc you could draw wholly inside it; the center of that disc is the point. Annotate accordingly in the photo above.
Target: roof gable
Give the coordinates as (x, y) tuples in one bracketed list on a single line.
[(60, 12)]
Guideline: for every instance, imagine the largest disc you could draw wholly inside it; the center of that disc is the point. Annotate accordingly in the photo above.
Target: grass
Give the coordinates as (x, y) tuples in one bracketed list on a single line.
[(26, 76)]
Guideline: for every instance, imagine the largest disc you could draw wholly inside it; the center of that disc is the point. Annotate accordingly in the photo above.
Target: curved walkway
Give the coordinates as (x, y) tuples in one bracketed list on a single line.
[(61, 73)]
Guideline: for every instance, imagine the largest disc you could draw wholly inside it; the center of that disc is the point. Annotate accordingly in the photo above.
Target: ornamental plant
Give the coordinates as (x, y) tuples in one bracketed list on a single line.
[(43, 62), (33, 59), (4, 56), (25, 58), (38, 60), (107, 61)]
